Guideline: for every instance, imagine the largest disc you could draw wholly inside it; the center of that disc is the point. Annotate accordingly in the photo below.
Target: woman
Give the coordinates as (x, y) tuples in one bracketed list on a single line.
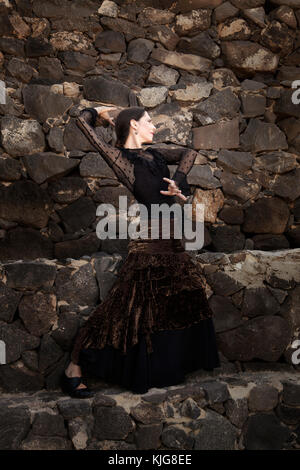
[(155, 324)]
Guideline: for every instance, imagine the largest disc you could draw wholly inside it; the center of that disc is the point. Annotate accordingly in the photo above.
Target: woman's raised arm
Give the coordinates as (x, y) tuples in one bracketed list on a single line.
[(121, 166)]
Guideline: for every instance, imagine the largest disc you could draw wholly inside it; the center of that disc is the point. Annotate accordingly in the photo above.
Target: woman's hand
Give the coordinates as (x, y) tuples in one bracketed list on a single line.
[(173, 190), (104, 114)]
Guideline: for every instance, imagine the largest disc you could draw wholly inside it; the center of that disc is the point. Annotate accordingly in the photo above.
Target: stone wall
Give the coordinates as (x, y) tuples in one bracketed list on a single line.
[(214, 76), (253, 412), (254, 296)]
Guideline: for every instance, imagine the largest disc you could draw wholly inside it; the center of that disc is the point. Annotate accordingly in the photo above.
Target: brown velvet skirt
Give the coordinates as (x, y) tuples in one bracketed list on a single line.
[(159, 295)]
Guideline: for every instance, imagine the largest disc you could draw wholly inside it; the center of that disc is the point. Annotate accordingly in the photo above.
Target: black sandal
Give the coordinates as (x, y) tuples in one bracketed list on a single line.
[(69, 385)]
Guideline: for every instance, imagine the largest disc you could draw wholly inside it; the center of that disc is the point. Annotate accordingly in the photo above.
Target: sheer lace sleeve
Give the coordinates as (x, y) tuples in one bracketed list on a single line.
[(185, 159), (122, 167)]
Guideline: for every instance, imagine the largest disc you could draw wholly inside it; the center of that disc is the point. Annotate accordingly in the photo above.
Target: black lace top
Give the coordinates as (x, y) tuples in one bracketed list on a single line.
[(141, 170)]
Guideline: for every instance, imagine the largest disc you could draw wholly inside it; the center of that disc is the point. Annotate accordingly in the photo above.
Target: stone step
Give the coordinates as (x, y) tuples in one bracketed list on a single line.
[(252, 410)]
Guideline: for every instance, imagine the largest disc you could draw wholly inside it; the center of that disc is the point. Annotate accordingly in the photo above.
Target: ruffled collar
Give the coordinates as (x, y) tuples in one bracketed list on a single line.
[(154, 165)]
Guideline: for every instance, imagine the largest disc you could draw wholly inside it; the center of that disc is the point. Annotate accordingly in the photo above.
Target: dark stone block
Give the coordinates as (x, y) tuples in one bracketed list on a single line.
[(270, 242), (9, 300), (77, 61), (50, 68), (288, 414), (42, 103), (43, 305), (14, 426), (77, 286), (72, 408), (30, 275), (25, 244), (49, 354), (67, 190), (10, 169), (111, 423), (146, 413), (12, 46), (214, 433), (259, 301), (106, 91), (291, 393), (264, 338), (215, 392), (84, 246), (26, 203), (223, 284), (16, 340), (110, 41), (19, 379), (37, 47), (78, 215), (265, 432), (46, 424), (174, 437), (266, 215)]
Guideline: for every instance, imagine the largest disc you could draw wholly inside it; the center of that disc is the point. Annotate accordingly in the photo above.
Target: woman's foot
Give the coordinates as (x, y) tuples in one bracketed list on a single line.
[(71, 383), (73, 370)]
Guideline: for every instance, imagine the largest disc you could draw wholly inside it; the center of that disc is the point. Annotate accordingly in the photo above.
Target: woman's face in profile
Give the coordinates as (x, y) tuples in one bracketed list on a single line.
[(146, 128)]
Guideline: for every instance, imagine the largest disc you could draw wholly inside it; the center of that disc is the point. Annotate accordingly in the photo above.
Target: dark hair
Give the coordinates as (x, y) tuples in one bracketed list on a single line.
[(122, 124)]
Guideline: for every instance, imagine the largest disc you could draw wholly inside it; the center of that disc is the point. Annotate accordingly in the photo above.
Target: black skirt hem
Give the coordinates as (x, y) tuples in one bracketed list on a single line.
[(175, 353)]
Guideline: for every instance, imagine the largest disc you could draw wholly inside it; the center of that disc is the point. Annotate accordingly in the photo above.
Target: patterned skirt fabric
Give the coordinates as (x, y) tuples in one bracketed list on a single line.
[(155, 323)]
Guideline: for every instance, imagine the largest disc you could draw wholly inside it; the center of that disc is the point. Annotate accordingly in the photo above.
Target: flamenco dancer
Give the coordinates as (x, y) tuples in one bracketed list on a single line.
[(155, 324)]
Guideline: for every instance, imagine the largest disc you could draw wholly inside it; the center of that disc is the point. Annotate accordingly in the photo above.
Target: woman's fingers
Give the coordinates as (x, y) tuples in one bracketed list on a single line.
[(105, 110), (108, 118), (173, 190), (169, 193), (104, 114), (172, 182), (172, 186)]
